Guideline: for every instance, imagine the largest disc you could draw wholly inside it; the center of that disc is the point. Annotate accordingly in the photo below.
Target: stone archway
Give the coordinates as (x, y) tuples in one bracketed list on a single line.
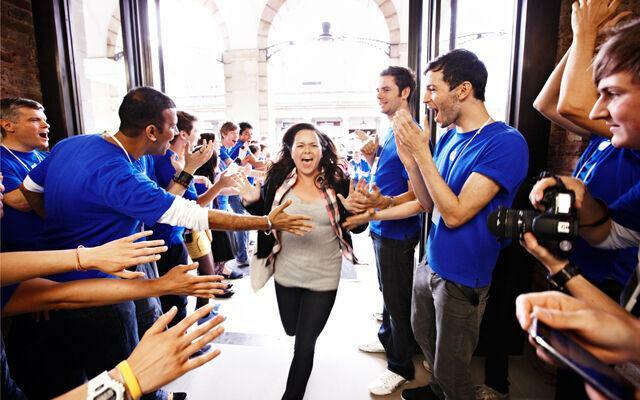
[(271, 8)]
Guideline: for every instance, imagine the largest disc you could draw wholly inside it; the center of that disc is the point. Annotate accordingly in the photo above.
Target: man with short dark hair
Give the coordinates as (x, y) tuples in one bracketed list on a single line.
[(25, 133), (394, 242), (476, 166), (95, 188)]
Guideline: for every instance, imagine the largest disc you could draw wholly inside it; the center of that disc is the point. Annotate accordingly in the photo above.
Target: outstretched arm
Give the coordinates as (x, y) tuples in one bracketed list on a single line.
[(164, 354), (42, 294), (111, 258)]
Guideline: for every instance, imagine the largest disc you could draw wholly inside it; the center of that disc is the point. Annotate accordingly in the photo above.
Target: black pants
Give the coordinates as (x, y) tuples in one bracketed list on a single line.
[(303, 313), (175, 255)]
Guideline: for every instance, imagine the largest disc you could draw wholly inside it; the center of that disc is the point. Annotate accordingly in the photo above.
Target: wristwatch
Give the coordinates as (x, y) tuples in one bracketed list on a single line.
[(103, 387), (560, 278)]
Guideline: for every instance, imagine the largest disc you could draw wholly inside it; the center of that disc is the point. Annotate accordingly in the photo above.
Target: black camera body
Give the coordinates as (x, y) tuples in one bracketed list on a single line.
[(556, 228)]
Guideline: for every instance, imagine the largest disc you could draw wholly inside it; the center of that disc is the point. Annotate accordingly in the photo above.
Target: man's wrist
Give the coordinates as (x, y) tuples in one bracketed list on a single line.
[(117, 376), (189, 169), (556, 267)]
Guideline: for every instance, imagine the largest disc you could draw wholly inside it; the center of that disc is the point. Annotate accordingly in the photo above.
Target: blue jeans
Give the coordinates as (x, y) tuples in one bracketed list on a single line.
[(394, 259), (446, 321), (242, 237)]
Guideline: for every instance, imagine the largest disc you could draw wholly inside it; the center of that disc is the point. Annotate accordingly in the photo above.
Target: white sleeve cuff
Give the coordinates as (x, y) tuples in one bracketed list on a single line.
[(619, 238), (31, 186), (186, 213)]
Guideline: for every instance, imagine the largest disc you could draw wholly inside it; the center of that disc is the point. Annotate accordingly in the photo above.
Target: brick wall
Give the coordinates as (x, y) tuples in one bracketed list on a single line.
[(18, 61), (565, 147)]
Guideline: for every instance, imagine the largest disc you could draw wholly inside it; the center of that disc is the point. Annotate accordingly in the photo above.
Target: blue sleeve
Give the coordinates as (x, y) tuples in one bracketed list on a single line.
[(10, 176), (191, 193), (131, 193), (235, 150), (39, 173), (224, 153), (626, 210), (505, 160), (164, 170)]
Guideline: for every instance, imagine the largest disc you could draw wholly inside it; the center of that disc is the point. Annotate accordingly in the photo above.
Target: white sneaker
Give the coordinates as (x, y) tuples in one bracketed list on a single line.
[(386, 383), (377, 316), (373, 347), (484, 392)]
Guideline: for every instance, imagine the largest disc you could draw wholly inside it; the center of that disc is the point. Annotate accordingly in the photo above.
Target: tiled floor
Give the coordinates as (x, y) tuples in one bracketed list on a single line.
[(256, 352)]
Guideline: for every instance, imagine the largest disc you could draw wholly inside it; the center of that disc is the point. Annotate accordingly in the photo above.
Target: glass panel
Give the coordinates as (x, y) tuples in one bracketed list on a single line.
[(486, 28), (328, 73), (192, 52), (99, 62)]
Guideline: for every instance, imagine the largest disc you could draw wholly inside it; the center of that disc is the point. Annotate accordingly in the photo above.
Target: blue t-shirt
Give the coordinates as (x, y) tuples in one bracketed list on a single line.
[(608, 173), (466, 255), (19, 230), (231, 152), (626, 210), (391, 177), (361, 170), (94, 194), (5, 294), (164, 173)]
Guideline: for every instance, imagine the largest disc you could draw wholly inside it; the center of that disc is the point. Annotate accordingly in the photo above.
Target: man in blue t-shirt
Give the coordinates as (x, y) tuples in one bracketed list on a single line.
[(96, 188), (394, 242), (233, 151), (359, 168), (25, 133), (477, 165), (165, 167)]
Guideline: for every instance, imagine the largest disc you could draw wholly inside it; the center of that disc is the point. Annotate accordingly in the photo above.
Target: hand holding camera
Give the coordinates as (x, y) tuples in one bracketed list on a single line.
[(555, 228)]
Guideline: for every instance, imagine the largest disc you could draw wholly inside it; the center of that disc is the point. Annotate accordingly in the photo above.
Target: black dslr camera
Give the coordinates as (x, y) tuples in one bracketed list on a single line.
[(556, 228)]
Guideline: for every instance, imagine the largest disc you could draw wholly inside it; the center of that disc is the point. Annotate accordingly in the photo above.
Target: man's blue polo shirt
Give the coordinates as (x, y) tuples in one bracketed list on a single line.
[(94, 194), (19, 230), (608, 173), (391, 177), (466, 255)]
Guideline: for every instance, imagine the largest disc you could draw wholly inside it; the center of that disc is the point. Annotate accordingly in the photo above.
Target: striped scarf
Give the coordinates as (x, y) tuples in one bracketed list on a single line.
[(331, 205)]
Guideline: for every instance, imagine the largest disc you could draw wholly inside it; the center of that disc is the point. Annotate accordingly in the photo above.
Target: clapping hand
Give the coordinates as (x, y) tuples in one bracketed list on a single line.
[(413, 139), (358, 199), (195, 160)]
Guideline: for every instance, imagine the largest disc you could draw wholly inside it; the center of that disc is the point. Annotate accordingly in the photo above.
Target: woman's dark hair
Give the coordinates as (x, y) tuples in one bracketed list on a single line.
[(331, 172)]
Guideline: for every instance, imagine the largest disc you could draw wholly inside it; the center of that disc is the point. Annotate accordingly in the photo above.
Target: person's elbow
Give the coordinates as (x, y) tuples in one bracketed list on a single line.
[(571, 110)]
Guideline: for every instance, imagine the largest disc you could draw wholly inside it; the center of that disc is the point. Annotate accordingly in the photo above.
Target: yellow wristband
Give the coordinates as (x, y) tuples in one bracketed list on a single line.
[(130, 380)]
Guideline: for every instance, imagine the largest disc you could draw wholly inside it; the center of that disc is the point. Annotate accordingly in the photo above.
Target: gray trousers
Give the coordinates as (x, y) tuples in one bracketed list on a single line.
[(446, 325)]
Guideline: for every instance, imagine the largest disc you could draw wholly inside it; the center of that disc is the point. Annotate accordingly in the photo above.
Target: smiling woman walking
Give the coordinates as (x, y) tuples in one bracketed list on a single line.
[(307, 268)]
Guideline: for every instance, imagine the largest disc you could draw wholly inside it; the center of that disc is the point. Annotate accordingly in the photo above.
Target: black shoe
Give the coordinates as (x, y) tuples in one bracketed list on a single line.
[(179, 396), (419, 393), (233, 275)]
